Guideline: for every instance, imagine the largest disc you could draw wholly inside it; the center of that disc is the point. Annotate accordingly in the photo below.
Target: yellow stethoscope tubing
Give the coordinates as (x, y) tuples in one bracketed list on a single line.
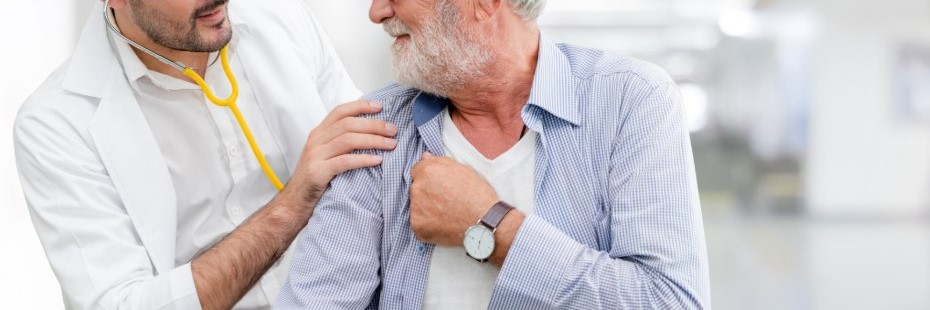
[(229, 102)]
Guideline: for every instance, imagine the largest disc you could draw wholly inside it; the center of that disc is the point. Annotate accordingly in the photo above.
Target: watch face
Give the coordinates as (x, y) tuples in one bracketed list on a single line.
[(479, 242)]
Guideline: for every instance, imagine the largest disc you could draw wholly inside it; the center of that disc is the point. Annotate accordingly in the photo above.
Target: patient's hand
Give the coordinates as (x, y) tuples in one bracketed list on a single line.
[(446, 198)]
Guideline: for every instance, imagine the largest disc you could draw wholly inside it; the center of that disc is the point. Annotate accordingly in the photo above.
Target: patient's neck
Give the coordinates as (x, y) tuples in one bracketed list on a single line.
[(487, 110)]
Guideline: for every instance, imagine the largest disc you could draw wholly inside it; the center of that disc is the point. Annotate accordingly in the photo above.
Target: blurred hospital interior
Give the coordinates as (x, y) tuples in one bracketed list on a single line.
[(810, 124)]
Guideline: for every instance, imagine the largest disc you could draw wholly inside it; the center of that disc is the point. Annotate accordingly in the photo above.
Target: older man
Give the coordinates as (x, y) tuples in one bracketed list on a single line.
[(574, 163)]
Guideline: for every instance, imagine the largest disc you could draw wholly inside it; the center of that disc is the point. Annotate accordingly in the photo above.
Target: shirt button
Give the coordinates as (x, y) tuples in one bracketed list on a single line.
[(235, 211), (234, 151)]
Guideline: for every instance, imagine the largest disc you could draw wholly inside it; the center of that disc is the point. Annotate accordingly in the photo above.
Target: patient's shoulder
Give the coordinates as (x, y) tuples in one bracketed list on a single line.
[(393, 92), (396, 99), (588, 63)]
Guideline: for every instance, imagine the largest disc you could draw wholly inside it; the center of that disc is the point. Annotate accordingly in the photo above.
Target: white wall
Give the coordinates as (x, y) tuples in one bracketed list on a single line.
[(864, 161), (363, 46), (38, 36)]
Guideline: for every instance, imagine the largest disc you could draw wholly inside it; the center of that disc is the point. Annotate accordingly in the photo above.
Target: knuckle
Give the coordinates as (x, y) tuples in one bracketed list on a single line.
[(422, 172), (430, 170), (316, 155), (333, 147), (342, 162), (362, 140), (350, 108), (313, 134), (367, 125), (415, 175), (344, 142), (341, 109), (374, 140), (360, 124), (375, 126), (341, 123)]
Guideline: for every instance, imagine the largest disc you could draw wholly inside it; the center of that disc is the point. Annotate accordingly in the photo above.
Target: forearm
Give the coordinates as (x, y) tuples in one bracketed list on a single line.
[(227, 271), (546, 268)]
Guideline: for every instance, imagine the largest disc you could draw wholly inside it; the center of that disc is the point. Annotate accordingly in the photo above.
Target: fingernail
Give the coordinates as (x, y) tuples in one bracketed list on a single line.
[(390, 142), (391, 128), (427, 155), (376, 104)]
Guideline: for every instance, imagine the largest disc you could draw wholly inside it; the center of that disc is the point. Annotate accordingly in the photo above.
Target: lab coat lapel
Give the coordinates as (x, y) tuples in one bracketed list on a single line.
[(131, 155), (287, 97), (125, 143)]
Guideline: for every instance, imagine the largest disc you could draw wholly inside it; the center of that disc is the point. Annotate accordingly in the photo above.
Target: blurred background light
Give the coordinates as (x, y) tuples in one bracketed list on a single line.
[(739, 23), (695, 101)]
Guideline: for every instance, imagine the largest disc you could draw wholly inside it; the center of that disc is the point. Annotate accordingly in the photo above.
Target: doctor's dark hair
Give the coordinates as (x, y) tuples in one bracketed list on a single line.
[(528, 9)]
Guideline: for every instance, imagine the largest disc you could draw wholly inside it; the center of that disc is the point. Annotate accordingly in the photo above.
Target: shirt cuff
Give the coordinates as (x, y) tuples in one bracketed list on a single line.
[(535, 265), (183, 290)]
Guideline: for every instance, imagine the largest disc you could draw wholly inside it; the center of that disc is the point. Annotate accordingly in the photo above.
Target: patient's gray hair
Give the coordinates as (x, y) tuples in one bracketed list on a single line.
[(528, 9)]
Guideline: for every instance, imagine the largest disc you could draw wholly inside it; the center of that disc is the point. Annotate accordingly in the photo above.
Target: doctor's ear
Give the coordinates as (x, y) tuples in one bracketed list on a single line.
[(485, 9)]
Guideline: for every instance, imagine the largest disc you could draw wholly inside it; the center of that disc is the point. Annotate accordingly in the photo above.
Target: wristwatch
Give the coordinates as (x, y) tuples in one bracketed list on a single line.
[(479, 239)]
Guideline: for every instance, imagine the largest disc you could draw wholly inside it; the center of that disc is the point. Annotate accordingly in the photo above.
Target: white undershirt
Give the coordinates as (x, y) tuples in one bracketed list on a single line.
[(455, 280), (218, 182)]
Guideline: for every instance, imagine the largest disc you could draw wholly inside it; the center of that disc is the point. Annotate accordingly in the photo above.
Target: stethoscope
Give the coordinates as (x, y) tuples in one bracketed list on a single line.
[(228, 102)]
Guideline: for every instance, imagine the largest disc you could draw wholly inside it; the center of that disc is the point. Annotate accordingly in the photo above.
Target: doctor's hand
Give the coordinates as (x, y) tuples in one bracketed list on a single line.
[(329, 148), (446, 198)]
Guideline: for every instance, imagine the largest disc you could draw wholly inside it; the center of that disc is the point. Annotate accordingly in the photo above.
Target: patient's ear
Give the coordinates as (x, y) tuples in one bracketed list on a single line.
[(486, 9)]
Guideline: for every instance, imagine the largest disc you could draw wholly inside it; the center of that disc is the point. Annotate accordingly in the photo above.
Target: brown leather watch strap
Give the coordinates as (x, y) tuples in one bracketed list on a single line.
[(494, 216)]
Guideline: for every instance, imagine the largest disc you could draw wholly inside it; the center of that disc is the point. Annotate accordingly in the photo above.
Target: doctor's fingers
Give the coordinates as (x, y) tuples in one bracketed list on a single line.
[(351, 109), (337, 165), (353, 125), (349, 142)]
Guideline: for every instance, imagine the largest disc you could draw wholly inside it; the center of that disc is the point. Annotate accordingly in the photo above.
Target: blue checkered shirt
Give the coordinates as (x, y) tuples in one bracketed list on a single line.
[(617, 222)]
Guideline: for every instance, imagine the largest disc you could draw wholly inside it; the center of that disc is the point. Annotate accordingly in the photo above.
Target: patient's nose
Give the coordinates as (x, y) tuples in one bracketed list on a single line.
[(380, 11)]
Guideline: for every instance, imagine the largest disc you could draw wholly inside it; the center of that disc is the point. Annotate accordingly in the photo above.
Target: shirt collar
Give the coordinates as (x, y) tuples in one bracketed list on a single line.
[(552, 91), (132, 65), (553, 84)]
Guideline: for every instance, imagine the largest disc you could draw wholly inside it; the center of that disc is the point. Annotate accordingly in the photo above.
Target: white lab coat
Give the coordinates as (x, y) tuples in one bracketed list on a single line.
[(98, 189)]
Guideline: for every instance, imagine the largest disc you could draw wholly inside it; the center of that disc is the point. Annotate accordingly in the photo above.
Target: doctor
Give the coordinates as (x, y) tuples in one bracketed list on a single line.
[(146, 194)]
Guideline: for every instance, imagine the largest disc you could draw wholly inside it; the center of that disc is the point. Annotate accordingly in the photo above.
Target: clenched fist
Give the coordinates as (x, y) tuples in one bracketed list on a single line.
[(446, 198)]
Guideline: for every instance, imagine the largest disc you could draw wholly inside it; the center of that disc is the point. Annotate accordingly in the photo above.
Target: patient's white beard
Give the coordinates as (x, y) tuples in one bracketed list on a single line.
[(442, 59)]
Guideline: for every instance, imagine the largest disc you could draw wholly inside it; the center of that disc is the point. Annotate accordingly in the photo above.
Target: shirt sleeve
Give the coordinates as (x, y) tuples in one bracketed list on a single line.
[(337, 260), (88, 236), (656, 257)]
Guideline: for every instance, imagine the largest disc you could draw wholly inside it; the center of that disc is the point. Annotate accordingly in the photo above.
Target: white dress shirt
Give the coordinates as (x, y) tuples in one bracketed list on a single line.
[(455, 280), (218, 181)]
